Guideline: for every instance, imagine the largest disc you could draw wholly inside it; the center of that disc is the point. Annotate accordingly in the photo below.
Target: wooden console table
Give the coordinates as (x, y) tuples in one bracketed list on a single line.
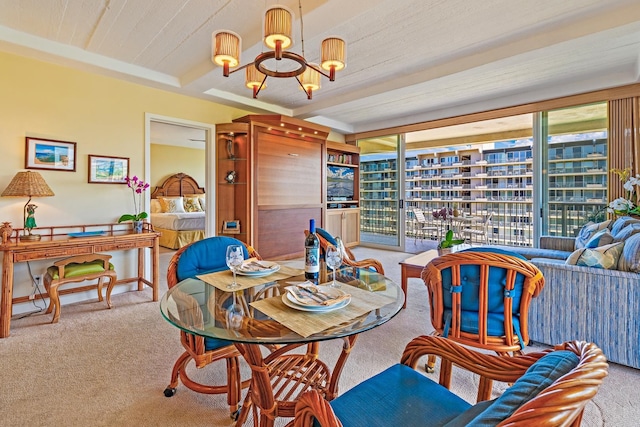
[(57, 242)]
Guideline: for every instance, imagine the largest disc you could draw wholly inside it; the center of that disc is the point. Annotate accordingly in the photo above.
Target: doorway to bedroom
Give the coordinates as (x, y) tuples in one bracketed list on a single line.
[(176, 161)]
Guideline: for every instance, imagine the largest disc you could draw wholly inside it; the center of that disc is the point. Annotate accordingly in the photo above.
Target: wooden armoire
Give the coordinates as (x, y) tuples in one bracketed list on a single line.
[(270, 181)]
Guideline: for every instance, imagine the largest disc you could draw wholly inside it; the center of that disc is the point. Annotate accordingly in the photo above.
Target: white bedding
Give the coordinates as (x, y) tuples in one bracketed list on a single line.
[(179, 221)]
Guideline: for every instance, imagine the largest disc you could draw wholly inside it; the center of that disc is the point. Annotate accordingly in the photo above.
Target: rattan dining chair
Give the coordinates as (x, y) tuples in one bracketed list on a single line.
[(549, 388), (201, 257), (348, 257), (480, 297)]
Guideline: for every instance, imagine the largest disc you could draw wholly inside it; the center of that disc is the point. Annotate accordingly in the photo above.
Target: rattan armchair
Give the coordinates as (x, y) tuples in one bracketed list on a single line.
[(204, 351), (348, 258), (480, 298), (560, 403)]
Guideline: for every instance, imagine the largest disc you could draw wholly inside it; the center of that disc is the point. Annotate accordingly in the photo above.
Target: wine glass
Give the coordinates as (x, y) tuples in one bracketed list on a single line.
[(235, 257), (235, 313), (334, 260)]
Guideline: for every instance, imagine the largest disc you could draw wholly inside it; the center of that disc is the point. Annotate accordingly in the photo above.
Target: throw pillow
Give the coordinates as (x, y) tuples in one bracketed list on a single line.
[(192, 204), (156, 207), (539, 376), (601, 238), (172, 204), (630, 258), (627, 232), (587, 232), (203, 202), (603, 257), (621, 223)]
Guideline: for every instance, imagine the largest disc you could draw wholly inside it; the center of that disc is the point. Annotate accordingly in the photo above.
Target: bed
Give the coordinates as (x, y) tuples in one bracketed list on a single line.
[(180, 223)]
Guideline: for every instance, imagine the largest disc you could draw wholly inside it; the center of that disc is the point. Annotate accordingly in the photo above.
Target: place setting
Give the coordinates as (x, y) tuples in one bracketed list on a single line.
[(306, 296)]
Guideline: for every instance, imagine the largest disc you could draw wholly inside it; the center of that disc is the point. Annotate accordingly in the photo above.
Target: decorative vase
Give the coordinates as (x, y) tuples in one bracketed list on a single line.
[(137, 226), (5, 231), (442, 251)]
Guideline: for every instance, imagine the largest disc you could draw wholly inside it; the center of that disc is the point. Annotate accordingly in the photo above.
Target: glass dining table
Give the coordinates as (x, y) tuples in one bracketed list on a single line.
[(266, 315)]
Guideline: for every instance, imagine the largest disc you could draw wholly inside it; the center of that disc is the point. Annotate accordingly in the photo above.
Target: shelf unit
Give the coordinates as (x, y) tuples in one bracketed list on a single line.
[(233, 153), (343, 216)]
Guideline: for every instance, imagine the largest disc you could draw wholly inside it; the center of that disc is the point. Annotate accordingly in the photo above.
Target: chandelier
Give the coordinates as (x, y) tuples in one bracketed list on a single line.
[(226, 47)]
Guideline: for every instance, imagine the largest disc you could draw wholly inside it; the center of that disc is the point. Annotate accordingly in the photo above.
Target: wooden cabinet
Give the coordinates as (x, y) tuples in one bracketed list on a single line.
[(233, 181), (344, 223), (280, 181), (343, 189)]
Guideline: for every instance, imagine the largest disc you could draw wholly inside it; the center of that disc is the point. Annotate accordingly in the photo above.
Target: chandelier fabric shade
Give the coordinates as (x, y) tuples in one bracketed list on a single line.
[(310, 80), (226, 48), (277, 29), (333, 56)]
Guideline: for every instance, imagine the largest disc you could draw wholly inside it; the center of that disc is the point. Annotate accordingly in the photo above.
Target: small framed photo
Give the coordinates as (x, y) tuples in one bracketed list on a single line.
[(231, 227), (50, 154), (108, 170)]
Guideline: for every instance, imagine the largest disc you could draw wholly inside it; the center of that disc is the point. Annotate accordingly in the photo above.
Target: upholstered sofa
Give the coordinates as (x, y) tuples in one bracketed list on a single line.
[(599, 305)]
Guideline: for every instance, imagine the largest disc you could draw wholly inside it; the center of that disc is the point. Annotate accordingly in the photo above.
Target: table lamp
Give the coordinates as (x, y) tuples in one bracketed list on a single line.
[(28, 184)]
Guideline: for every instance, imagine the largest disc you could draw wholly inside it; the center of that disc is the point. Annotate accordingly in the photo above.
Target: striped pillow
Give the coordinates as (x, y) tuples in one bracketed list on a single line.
[(587, 232), (630, 258)]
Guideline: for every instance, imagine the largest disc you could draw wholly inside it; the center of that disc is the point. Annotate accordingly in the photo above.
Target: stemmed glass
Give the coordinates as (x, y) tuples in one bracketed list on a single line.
[(235, 257), (334, 260), (235, 313)]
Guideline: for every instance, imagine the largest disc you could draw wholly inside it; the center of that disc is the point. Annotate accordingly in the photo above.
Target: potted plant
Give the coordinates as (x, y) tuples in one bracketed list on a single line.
[(445, 246), (137, 187)]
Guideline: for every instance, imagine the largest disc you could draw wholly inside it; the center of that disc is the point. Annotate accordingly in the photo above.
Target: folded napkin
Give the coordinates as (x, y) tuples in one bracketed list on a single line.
[(253, 264), (307, 293)]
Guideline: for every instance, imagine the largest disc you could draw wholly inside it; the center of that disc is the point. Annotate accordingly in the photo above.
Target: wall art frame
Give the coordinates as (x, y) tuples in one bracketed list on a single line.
[(50, 154), (107, 169)]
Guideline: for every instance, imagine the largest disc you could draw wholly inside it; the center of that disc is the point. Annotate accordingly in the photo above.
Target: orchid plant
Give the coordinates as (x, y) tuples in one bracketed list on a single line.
[(137, 187), (626, 205)]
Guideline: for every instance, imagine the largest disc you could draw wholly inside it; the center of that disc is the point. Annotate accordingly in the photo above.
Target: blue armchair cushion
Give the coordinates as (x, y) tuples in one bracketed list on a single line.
[(326, 236), (215, 343), (539, 376), (206, 256), (470, 304), (398, 396)]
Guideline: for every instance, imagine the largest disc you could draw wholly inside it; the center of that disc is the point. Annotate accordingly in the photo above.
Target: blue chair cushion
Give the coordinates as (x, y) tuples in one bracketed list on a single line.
[(326, 236), (539, 376), (465, 418), (398, 396), (470, 303), (215, 343), (206, 256)]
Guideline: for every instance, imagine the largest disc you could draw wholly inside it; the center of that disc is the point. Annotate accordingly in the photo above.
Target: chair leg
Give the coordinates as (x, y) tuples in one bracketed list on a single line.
[(112, 283), (247, 405), (54, 303), (175, 373), (430, 366), (485, 387), (100, 283)]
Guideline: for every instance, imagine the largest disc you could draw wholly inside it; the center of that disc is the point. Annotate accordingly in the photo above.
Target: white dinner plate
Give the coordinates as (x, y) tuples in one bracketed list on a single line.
[(271, 267), (291, 301)]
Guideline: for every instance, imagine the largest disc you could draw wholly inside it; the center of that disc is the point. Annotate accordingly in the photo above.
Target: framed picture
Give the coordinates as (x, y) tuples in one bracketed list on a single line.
[(50, 154), (231, 227), (107, 169)]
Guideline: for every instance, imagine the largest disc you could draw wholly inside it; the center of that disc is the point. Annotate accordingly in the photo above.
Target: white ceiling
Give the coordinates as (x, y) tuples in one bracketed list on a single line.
[(407, 61)]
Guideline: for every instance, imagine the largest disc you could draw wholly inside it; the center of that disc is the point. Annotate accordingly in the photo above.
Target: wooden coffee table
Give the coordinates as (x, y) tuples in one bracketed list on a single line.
[(412, 267)]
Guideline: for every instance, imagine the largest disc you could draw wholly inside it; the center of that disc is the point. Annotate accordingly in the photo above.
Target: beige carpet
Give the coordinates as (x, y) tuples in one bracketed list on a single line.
[(105, 367)]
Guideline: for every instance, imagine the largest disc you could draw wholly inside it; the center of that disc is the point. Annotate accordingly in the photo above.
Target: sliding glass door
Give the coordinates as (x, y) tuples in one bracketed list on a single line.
[(381, 198)]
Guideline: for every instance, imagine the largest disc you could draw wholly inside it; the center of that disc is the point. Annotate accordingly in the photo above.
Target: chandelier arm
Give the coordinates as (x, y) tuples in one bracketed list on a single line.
[(320, 71), (240, 68), (309, 92), (257, 91)]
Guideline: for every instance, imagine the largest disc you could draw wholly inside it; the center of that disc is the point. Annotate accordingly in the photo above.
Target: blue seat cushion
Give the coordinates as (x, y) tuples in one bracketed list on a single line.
[(215, 343), (398, 396), (539, 376), (470, 302), (206, 256), (326, 236)]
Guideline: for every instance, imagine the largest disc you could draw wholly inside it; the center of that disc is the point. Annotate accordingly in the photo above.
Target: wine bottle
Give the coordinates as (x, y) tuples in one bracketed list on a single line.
[(312, 254)]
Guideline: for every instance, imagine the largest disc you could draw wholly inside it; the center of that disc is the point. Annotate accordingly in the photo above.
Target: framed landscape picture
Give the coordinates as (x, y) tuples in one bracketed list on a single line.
[(108, 170), (50, 154)]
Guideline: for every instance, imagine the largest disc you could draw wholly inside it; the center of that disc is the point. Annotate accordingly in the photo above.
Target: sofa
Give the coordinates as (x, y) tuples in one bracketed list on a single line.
[(583, 302)]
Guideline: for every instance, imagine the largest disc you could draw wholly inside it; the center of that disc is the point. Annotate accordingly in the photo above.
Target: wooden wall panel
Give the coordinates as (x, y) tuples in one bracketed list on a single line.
[(624, 118), (281, 231)]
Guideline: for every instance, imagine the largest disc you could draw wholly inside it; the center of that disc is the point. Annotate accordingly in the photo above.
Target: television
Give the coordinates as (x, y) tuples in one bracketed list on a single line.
[(340, 183)]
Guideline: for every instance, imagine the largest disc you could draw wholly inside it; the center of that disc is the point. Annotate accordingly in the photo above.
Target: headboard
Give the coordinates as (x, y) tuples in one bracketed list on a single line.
[(177, 185)]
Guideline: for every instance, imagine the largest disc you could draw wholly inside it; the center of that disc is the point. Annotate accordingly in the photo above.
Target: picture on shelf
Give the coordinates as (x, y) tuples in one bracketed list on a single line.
[(340, 183)]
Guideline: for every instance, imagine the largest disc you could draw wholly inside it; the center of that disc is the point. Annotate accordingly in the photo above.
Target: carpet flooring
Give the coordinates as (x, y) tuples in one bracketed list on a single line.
[(104, 367)]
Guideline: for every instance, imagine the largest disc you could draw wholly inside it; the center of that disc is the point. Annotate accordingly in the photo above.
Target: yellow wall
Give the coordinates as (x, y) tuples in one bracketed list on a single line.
[(167, 160), (103, 115)]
